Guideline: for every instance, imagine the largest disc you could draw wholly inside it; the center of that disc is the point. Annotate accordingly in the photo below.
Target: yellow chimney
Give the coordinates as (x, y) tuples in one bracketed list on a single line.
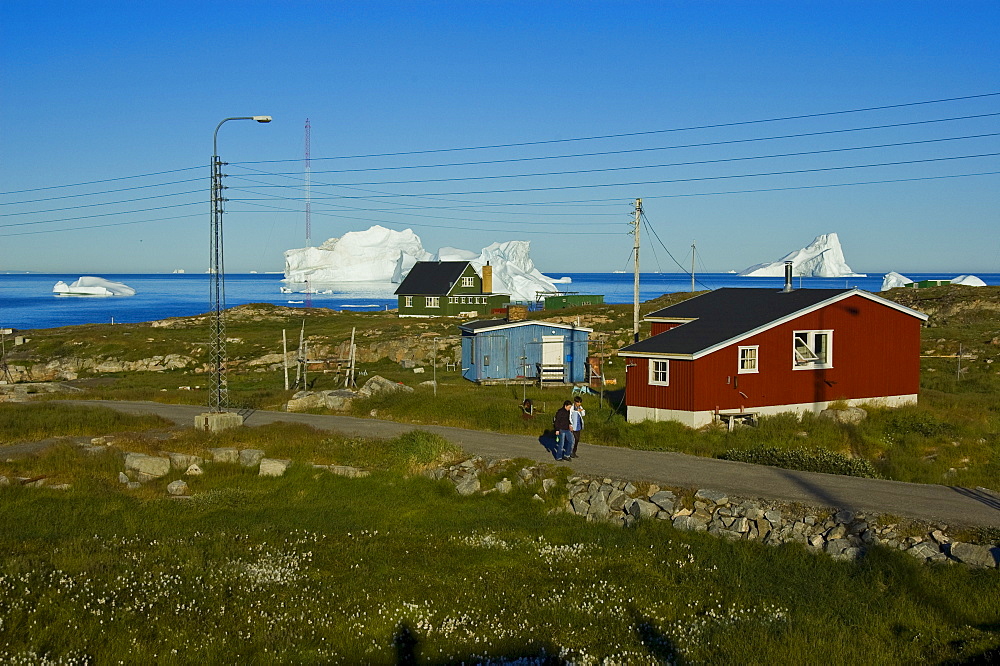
[(487, 279)]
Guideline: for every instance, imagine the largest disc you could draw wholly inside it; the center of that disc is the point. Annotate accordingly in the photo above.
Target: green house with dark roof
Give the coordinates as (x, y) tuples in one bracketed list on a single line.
[(449, 289)]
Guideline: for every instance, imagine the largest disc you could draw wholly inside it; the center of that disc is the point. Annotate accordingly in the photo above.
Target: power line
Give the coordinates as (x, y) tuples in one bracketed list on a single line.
[(681, 129), (108, 203), (99, 226), (87, 217), (680, 180), (94, 194), (603, 153), (439, 226), (97, 182), (633, 167)]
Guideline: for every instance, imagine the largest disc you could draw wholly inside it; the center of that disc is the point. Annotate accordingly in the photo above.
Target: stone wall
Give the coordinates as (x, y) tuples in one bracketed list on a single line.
[(840, 534)]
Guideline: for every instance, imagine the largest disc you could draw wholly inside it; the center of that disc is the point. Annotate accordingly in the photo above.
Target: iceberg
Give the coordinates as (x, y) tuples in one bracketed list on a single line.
[(383, 255), (968, 280), (92, 286), (514, 272), (821, 258), (374, 255), (892, 279)]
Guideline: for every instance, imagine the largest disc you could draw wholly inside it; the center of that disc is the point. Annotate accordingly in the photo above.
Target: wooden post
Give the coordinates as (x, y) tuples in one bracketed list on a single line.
[(349, 380), (284, 356)]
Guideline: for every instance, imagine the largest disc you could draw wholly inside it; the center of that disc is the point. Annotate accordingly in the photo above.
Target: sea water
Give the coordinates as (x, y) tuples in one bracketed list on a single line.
[(27, 301)]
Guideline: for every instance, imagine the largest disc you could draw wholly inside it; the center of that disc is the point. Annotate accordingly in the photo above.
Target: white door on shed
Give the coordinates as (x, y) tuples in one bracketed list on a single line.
[(552, 350)]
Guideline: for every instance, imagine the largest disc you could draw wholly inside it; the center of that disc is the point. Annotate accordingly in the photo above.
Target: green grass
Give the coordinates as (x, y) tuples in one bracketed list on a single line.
[(32, 422), (952, 437), (314, 568)]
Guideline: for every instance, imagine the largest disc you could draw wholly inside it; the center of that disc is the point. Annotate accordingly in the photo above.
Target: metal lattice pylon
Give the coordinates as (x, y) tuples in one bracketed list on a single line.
[(218, 390)]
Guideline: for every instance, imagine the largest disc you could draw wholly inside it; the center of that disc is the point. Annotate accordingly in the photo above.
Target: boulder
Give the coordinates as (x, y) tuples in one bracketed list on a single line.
[(339, 400), (548, 484), (468, 485), (183, 460), (305, 400), (151, 466), (177, 487), (924, 550), (844, 517), (689, 524), (979, 556), (641, 508), (273, 466), (193, 470), (348, 471), (599, 509), (713, 496), (251, 457), (225, 455), (379, 385), (663, 499), (504, 486), (580, 505), (122, 478)]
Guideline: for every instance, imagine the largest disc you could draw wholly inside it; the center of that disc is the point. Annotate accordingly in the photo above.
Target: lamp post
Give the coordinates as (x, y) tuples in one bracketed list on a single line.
[(218, 395)]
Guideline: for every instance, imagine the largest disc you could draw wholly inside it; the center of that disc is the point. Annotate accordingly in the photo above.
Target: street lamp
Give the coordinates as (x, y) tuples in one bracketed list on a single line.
[(218, 396)]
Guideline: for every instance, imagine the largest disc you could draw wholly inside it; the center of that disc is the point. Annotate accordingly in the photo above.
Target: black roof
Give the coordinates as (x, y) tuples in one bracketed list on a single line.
[(431, 278), (483, 323), (725, 314)]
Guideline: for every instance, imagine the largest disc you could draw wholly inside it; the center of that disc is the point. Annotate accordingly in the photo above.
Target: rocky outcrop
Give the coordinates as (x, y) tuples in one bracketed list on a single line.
[(840, 534), (379, 385), (338, 400), (68, 368)]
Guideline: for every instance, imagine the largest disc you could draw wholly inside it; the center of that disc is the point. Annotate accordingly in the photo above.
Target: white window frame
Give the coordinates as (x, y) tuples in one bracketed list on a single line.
[(432, 301), (659, 372), (805, 347), (748, 360), (468, 281), (407, 301)]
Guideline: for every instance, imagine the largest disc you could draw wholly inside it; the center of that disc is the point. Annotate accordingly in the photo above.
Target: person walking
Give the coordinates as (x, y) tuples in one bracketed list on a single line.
[(564, 433), (576, 423)]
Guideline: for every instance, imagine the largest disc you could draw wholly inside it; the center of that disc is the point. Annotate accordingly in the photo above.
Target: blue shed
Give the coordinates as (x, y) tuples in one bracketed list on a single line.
[(499, 350)]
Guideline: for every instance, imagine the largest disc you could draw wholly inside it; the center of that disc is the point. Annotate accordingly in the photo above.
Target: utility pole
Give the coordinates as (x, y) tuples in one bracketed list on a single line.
[(692, 266), (284, 355), (5, 377), (635, 294)]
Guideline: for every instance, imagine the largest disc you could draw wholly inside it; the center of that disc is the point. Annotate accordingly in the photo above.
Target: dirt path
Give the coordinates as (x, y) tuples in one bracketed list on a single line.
[(949, 504)]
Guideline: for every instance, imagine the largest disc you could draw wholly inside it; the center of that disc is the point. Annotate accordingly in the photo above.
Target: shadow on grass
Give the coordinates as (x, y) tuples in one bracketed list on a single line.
[(660, 647), (406, 644)]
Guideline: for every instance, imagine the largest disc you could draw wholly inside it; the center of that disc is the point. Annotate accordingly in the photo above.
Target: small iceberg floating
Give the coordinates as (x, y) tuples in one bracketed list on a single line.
[(92, 286)]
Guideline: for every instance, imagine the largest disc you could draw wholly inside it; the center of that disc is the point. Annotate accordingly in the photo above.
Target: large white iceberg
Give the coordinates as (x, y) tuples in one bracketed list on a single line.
[(892, 279), (821, 258), (968, 281), (88, 285), (358, 256), (383, 255), (514, 272)]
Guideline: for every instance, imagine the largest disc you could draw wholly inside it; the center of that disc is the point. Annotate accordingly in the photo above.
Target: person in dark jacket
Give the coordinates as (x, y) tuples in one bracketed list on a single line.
[(564, 434)]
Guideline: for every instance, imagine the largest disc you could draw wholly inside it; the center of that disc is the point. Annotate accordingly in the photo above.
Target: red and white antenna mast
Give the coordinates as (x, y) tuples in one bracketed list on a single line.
[(308, 189)]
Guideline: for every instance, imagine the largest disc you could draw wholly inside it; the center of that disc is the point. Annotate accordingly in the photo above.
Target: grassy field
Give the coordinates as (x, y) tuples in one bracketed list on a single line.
[(394, 568), (952, 436)]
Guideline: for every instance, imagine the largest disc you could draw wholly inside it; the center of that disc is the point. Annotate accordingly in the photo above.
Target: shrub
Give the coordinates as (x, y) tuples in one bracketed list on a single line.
[(806, 460)]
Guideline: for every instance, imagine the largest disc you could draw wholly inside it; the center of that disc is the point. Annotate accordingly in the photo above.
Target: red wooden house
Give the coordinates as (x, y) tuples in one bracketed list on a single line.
[(765, 351)]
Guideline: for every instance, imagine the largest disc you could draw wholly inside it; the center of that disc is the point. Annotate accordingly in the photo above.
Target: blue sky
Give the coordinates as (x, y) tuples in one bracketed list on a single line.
[(113, 92)]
